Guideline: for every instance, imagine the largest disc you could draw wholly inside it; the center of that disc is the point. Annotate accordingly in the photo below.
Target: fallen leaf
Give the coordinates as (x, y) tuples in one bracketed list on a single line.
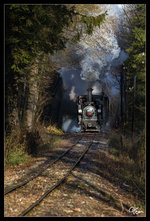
[(77, 209)]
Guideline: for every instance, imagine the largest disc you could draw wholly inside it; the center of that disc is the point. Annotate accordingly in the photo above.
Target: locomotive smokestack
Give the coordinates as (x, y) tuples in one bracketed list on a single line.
[(90, 94)]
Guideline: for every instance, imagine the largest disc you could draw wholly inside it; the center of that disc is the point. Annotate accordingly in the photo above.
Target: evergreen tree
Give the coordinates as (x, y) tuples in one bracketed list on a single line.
[(32, 32), (135, 68)]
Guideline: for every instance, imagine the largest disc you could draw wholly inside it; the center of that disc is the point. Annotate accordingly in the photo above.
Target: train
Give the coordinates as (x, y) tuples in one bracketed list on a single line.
[(93, 111)]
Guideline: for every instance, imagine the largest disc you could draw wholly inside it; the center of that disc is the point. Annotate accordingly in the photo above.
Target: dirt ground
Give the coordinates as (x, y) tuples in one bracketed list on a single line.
[(95, 188)]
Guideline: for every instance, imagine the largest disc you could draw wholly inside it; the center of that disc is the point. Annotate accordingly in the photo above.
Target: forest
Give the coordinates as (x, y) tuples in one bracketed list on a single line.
[(42, 39)]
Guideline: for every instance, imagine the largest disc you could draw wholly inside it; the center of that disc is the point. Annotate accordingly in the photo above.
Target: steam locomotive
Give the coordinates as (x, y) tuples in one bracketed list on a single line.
[(92, 111)]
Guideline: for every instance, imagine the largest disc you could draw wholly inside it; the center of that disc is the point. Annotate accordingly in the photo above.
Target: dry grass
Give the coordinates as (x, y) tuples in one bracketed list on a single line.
[(21, 144), (52, 129), (131, 154), (15, 148)]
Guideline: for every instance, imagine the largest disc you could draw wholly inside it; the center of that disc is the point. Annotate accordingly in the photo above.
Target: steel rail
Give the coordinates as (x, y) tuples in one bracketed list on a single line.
[(54, 186), (37, 174)]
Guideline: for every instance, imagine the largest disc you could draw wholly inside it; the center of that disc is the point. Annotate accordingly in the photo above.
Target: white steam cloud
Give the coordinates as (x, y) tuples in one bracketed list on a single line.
[(72, 94), (100, 55)]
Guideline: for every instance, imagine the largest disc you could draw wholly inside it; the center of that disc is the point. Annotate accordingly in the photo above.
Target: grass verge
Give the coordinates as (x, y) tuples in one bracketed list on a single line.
[(130, 156), (21, 145)]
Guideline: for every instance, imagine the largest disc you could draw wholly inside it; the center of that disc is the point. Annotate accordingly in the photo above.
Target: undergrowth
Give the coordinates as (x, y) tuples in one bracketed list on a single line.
[(52, 129), (131, 153), (21, 145)]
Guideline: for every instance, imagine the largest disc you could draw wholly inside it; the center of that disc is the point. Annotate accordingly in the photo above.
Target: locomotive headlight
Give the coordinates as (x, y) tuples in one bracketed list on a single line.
[(80, 111)]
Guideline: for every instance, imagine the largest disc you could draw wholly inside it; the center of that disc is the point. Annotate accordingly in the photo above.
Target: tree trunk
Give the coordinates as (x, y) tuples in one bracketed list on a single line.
[(33, 97), (133, 105), (123, 97)]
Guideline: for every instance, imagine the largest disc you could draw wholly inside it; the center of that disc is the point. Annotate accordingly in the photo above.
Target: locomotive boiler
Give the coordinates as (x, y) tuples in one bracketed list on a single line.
[(92, 111)]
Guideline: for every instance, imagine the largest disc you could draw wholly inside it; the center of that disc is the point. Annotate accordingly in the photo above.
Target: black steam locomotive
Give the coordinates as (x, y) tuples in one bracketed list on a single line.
[(92, 111)]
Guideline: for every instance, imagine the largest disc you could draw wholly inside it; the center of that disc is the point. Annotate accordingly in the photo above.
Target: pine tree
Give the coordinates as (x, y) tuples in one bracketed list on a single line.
[(31, 31), (135, 68)]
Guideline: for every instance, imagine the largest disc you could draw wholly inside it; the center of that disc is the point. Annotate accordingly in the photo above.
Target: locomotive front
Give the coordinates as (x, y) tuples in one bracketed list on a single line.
[(89, 112)]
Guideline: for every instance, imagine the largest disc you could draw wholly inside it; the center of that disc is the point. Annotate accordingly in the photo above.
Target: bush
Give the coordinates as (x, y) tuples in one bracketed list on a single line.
[(17, 157), (15, 141), (19, 144)]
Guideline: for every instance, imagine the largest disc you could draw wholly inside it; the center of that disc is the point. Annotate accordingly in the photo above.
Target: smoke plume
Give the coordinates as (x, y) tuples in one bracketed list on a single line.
[(100, 55)]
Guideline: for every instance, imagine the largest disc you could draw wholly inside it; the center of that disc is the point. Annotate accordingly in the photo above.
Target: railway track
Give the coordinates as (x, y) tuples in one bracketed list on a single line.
[(66, 162), (10, 189)]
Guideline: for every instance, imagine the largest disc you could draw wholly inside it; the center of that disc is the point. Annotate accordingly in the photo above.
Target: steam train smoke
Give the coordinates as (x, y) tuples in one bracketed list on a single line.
[(94, 70)]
